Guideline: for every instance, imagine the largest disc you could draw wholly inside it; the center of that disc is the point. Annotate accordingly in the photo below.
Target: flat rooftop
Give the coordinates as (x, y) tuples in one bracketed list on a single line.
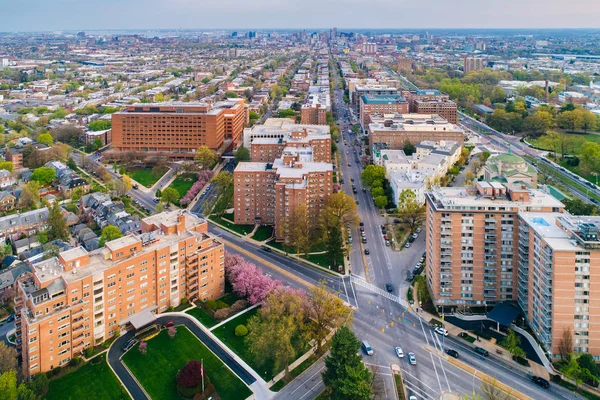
[(544, 224)]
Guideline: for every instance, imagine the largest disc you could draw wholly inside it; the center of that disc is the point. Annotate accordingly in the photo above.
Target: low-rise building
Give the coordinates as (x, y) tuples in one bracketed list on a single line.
[(509, 169)]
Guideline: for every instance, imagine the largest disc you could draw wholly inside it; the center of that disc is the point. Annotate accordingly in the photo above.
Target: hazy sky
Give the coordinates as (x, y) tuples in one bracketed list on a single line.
[(49, 15)]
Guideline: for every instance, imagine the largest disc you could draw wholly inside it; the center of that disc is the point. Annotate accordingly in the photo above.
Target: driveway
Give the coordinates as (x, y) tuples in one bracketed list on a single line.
[(115, 353)]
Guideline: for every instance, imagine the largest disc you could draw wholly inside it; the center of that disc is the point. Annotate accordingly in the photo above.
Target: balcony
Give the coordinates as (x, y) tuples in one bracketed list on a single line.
[(80, 328), (77, 312), (79, 347)]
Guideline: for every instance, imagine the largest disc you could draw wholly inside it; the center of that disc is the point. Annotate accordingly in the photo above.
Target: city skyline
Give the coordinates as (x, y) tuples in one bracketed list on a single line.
[(267, 14)]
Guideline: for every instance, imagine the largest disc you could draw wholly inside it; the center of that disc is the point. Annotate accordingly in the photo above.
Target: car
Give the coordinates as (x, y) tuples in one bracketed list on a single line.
[(481, 351), (361, 223), (267, 249), (364, 239), (342, 181), (362, 233), (367, 252), (415, 270), (354, 191), (399, 352), (367, 348), (156, 199), (169, 324), (415, 235), (387, 243), (540, 381), (389, 287), (357, 203), (452, 353), (418, 230), (364, 189), (412, 359), (441, 331), (129, 344), (407, 245), (412, 397), (411, 239), (349, 164), (362, 228), (351, 179), (10, 318), (385, 237)]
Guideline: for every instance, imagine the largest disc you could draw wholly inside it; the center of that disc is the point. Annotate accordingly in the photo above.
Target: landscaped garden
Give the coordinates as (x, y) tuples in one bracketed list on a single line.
[(227, 221), (94, 380), (165, 356), (263, 233), (183, 183)]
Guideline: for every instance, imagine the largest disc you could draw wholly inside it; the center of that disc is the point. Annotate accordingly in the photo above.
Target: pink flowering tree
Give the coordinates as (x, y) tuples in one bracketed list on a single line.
[(247, 279), (143, 348), (204, 177)]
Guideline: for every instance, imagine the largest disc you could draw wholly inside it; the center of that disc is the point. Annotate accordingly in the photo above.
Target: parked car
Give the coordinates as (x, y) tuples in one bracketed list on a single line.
[(415, 235), (387, 243), (364, 239), (367, 348), (362, 228), (267, 249), (418, 230), (441, 331), (481, 351), (452, 353), (361, 223), (407, 245), (10, 318), (415, 270), (169, 324), (399, 352), (367, 252), (540, 381), (129, 344), (412, 359)]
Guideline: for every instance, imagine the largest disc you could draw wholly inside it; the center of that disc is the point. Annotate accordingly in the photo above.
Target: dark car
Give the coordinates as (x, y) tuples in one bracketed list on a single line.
[(342, 181), (354, 191), (364, 239), (367, 252), (10, 318), (452, 353), (540, 381), (389, 287), (267, 249), (129, 344), (415, 270), (169, 324), (481, 351), (362, 223)]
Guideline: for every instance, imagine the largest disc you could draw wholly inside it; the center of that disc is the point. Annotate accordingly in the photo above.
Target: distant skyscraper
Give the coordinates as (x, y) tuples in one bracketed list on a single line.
[(332, 33), (234, 34)]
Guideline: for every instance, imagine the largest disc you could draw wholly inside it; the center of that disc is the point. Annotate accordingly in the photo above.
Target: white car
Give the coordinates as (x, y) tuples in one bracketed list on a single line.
[(411, 397), (399, 352), (441, 331)]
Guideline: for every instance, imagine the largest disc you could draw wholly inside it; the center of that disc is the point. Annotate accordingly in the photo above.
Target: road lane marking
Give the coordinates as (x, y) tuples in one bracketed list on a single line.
[(436, 373), (416, 391), (420, 381), (424, 334), (309, 378)]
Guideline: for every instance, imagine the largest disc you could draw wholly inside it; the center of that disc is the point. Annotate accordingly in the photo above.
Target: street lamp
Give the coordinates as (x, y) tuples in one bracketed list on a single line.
[(596, 175)]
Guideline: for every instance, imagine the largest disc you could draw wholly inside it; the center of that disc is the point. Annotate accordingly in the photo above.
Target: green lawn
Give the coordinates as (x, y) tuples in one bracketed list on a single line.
[(183, 183), (157, 370), (577, 170), (238, 345), (202, 316), (241, 229), (467, 337), (263, 233), (95, 381), (323, 259), (143, 176), (539, 142), (281, 246)]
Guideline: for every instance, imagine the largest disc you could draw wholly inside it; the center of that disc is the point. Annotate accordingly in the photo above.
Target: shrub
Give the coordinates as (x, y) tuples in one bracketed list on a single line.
[(75, 361), (222, 313), (521, 360), (221, 304), (241, 331), (238, 306), (573, 161), (211, 305), (191, 375), (89, 352)]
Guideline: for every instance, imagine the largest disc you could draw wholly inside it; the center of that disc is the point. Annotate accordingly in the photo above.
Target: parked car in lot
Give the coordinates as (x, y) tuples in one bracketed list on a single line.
[(412, 359), (399, 352), (452, 353)]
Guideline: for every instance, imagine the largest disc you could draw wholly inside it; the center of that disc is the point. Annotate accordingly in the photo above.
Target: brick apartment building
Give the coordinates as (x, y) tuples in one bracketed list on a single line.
[(384, 104), (313, 114), (267, 193), (361, 90), (80, 299), (285, 130), (317, 142), (405, 64), (432, 101), (177, 129), (501, 243), (473, 64), (396, 129)]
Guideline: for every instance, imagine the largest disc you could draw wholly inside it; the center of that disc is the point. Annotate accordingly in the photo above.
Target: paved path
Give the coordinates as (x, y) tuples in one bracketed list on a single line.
[(115, 353)]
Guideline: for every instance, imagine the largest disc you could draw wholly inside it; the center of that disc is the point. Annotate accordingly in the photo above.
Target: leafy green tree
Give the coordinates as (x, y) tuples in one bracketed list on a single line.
[(205, 157), (377, 192), (537, 124), (39, 385), (340, 208), (272, 331), (231, 95), (410, 211), (7, 165), (345, 375), (99, 125), (8, 385), (223, 179), (586, 361), (409, 148), (511, 343), (590, 156), (45, 138), (371, 174), (109, 232), (43, 175), (334, 244), (97, 144), (169, 195), (241, 154), (57, 226), (381, 201), (579, 207)]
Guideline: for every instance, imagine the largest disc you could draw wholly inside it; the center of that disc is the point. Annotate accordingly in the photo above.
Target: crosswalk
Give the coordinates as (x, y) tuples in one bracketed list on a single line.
[(369, 286)]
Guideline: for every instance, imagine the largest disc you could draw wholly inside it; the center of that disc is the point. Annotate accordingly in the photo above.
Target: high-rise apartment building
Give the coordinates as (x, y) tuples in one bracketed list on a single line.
[(432, 102), (284, 130), (360, 90), (313, 114), (269, 193), (405, 64), (472, 241), (316, 142), (177, 129), (473, 64), (394, 130), (79, 299), (384, 104)]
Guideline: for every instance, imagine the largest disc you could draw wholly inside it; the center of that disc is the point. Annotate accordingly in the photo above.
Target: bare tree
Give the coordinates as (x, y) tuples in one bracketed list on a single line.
[(492, 391), (565, 345)]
